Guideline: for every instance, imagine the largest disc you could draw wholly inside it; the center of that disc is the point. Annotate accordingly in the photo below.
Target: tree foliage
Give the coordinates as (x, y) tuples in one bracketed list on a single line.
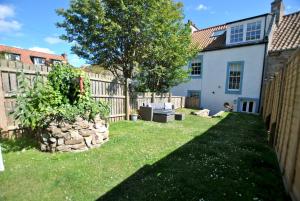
[(130, 37), (134, 39), (57, 99)]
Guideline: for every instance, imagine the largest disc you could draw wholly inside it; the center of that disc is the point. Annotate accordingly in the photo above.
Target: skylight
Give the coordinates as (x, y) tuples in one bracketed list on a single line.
[(218, 33)]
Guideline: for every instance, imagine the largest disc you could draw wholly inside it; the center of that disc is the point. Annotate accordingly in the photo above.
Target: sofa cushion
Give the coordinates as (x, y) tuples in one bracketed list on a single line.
[(157, 106), (168, 106)]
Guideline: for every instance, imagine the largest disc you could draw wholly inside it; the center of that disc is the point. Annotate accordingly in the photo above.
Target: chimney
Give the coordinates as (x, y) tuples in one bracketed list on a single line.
[(192, 26), (65, 56), (277, 8)]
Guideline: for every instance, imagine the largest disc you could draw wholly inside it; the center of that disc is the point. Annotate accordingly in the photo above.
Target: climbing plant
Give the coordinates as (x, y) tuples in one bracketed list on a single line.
[(63, 97)]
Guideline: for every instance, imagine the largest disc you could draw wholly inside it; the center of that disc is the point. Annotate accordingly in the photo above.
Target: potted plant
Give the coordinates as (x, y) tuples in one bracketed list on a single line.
[(134, 115)]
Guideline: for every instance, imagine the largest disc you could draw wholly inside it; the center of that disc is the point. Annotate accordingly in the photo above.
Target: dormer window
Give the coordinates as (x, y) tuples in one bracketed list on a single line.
[(54, 62), (236, 34), (38, 60), (12, 57), (218, 33), (253, 31)]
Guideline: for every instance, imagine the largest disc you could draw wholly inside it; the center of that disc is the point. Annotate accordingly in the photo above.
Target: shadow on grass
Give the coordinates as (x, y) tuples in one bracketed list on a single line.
[(231, 161), (18, 144)]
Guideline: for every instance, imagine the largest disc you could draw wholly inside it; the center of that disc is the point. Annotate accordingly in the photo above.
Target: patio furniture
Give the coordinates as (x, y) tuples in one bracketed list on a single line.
[(158, 112), (179, 117)]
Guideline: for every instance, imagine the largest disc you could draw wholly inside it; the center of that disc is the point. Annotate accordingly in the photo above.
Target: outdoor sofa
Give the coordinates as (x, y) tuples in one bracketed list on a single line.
[(158, 112)]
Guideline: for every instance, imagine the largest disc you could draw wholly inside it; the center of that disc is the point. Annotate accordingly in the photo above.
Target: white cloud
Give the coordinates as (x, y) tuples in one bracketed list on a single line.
[(42, 49), (6, 11), (6, 23), (202, 7), (53, 40), (8, 26)]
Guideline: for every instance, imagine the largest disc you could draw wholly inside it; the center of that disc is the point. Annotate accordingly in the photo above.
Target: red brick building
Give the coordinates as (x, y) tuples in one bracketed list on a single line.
[(29, 56)]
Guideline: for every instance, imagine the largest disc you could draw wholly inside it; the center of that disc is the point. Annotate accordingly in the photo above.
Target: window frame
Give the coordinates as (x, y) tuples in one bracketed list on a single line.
[(234, 91), (255, 30), (243, 32), (33, 59), (55, 61), (248, 100), (218, 33), (198, 59), (9, 54)]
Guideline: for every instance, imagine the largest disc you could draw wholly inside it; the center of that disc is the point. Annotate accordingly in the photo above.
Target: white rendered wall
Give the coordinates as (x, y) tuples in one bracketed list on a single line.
[(182, 89), (214, 73)]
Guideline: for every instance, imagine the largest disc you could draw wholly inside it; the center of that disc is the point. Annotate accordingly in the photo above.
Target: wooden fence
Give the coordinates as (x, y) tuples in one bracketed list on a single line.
[(281, 112), (104, 88)]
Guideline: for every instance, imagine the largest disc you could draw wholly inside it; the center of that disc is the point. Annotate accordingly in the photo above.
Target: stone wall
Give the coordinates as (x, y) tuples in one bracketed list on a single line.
[(78, 136), (276, 61)]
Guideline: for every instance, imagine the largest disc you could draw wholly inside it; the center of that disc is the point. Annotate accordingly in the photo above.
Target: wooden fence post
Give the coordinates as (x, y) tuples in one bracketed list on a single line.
[(3, 119)]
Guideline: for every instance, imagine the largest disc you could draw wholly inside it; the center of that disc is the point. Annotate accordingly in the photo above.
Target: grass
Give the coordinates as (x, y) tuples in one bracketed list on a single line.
[(198, 159)]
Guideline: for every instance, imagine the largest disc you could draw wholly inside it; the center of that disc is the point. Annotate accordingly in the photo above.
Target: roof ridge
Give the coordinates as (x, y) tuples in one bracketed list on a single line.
[(294, 13), (20, 48), (210, 27)]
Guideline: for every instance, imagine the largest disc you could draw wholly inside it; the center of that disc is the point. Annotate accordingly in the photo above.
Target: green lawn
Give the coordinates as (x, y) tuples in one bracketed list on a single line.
[(198, 159)]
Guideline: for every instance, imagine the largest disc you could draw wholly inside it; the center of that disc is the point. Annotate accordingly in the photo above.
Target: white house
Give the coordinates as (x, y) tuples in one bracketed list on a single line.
[(230, 66)]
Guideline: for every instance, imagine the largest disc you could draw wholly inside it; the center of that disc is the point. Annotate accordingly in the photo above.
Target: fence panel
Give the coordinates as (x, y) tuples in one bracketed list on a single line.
[(103, 87), (281, 112)]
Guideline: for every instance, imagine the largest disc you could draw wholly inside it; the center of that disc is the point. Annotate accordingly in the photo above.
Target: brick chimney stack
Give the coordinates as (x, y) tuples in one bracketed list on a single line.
[(65, 56), (277, 8)]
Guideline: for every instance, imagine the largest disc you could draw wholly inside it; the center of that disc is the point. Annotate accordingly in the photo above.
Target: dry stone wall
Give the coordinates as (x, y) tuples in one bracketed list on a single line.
[(78, 136)]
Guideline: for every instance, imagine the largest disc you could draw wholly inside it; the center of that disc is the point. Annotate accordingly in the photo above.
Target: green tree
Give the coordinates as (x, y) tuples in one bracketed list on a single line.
[(120, 35)]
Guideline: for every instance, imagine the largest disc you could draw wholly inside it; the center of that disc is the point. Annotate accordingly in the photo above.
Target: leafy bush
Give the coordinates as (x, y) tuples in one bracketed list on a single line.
[(57, 99)]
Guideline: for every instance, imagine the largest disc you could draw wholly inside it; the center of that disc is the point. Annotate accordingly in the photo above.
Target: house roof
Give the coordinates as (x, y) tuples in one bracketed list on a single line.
[(287, 34), (27, 54), (203, 38)]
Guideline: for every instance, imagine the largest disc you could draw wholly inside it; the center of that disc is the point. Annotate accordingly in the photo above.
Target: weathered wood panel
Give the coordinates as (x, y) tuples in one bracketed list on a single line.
[(103, 87), (282, 114), (192, 102)]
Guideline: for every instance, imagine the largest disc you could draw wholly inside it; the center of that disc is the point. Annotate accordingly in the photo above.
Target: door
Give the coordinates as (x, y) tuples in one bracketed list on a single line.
[(193, 99)]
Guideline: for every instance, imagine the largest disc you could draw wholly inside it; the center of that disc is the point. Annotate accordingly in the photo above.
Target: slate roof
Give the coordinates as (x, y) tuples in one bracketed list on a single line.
[(27, 54), (287, 34)]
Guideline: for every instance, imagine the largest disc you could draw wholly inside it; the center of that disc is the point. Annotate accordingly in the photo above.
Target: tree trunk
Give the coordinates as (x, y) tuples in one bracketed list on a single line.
[(152, 97), (127, 107), (170, 97)]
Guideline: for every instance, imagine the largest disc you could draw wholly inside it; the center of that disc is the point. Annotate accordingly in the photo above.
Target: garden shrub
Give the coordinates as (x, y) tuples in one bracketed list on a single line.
[(59, 98)]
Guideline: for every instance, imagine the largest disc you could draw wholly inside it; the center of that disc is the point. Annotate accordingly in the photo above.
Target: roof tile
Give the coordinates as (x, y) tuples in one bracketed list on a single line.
[(287, 34)]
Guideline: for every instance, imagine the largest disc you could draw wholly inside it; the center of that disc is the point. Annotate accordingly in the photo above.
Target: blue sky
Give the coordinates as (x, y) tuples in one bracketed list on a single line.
[(30, 24)]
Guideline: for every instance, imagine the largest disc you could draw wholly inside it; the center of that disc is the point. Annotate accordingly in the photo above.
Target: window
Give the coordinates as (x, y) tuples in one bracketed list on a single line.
[(218, 33), (39, 61), (249, 105), (236, 34), (253, 31), (196, 66), (234, 77), (194, 94), (12, 57), (53, 61)]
